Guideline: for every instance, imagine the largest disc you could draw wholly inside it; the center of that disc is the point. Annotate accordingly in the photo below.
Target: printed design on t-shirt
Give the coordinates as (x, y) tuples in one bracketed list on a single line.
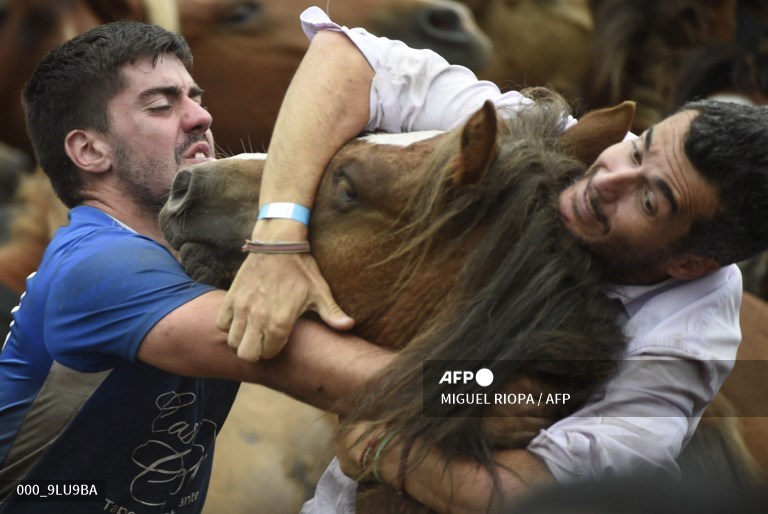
[(172, 459)]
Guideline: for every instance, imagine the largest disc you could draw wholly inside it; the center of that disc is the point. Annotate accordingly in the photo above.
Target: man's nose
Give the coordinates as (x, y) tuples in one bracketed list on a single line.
[(612, 186), (196, 119)]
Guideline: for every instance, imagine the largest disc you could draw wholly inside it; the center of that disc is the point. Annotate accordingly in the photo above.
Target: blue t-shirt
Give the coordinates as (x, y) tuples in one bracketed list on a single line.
[(74, 401)]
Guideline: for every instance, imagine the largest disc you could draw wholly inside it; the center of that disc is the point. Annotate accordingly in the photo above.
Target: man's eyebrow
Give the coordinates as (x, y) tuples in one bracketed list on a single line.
[(169, 91), (160, 90), (662, 186), (648, 139)]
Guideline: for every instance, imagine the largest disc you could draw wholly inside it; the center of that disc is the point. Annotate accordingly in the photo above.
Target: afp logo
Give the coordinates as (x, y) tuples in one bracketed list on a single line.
[(483, 377)]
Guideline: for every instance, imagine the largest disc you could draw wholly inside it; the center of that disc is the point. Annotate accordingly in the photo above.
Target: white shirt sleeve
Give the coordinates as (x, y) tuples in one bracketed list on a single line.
[(639, 425), (413, 89), (683, 342)]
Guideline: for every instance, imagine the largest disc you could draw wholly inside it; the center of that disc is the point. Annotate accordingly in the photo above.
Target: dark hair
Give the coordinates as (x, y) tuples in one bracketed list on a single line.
[(72, 85), (727, 143)]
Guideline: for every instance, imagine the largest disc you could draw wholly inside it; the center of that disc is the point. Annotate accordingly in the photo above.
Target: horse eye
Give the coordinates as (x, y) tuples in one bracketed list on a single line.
[(242, 13), (345, 194)]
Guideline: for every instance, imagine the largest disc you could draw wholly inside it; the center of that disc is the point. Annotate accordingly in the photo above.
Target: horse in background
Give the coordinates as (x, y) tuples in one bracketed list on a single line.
[(243, 49), (36, 213), (661, 54), (14, 166), (537, 43), (656, 53), (735, 71)]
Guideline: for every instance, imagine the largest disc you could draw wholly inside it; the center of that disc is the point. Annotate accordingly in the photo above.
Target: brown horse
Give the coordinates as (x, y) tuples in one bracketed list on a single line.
[(35, 214), (246, 51), (204, 238), (466, 221), (209, 244), (536, 43), (663, 53), (600, 52), (13, 164)]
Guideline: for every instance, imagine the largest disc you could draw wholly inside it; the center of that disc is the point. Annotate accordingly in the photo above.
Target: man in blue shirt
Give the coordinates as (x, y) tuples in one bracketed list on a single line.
[(113, 371)]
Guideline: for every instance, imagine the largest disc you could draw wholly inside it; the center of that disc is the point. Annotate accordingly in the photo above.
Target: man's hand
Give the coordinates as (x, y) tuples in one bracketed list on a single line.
[(326, 105), (516, 423), (268, 295), (350, 448)]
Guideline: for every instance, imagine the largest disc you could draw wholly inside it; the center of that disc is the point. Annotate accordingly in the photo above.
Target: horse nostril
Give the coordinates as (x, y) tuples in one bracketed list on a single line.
[(179, 190), (443, 23), (443, 19)]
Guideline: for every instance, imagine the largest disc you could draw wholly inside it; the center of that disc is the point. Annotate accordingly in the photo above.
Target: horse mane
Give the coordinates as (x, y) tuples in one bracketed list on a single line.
[(526, 303)]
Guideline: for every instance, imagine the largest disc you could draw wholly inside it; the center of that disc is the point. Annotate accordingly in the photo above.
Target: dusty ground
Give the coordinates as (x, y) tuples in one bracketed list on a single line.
[(269, 454)]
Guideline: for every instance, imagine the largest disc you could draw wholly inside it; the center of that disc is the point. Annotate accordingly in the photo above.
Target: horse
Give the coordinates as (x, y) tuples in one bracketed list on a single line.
[(243, 48), (664, 53), (35, 214), (732, 70), (600, 52), (537, 43), (208, 243), (743, 387), (431, 208)]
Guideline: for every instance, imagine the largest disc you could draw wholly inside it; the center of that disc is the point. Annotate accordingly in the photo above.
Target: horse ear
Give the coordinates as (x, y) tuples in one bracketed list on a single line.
[(479, 146), (597, 130)]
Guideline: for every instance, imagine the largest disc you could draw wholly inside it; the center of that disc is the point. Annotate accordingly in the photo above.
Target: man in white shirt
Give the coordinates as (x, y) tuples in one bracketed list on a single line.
[(644, 210)]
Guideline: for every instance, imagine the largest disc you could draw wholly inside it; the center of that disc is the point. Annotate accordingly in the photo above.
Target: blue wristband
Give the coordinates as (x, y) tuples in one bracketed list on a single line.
[(285, 210)]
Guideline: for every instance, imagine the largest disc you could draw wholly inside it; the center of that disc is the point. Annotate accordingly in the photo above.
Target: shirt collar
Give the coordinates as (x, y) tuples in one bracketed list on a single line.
[(627, 294), (633, 298)]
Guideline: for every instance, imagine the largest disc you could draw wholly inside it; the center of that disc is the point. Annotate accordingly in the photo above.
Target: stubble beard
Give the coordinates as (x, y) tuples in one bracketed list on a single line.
[(618, 262), (141, 180)]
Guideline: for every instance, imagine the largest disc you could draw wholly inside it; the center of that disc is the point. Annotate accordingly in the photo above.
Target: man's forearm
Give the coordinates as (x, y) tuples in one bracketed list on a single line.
[(326, 105), (464, 486), (458, 485), (270, 292), (321, 367)]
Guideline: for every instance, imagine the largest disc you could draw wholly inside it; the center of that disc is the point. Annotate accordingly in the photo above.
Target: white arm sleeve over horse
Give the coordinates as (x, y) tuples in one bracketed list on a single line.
[(413, 89)]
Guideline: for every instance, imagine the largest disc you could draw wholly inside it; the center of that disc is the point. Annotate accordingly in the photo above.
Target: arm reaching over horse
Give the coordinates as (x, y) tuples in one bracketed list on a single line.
[(270, 292), (364, 86)]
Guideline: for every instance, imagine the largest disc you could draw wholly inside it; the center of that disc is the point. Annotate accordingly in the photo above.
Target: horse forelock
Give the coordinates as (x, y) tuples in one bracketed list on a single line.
[(442, 215), (513, 205)]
